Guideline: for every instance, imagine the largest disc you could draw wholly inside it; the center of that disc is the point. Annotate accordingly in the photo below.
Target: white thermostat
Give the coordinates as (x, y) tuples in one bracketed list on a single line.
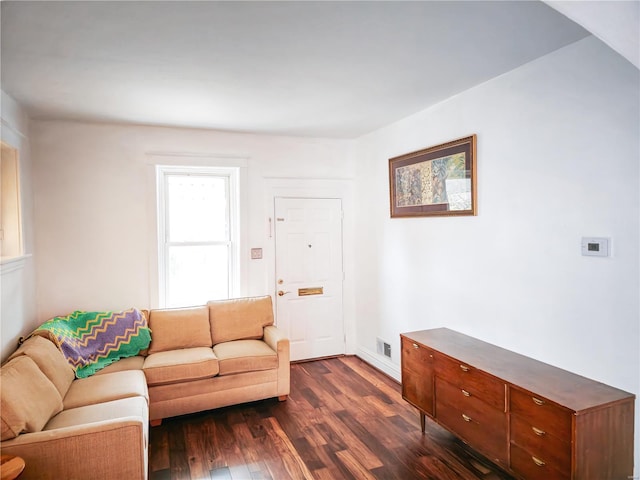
[(595, 246)]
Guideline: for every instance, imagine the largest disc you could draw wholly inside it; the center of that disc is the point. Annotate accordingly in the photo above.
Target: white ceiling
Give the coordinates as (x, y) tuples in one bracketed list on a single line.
[(615, 22), (336, 69)]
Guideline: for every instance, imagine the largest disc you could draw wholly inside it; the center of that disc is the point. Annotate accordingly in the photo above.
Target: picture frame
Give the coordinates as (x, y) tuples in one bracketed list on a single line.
[(436, 181)]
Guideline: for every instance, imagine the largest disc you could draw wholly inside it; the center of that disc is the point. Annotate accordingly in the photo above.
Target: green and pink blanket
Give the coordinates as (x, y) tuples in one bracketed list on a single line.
[(91, 341)]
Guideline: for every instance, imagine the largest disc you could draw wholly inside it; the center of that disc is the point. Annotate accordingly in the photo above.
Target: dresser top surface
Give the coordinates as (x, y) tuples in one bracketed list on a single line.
[(565, 388)]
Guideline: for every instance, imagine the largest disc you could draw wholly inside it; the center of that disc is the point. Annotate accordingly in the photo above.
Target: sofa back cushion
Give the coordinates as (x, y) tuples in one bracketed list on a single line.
[(49, 360), (28, 398), (239, 318), (174, 328)]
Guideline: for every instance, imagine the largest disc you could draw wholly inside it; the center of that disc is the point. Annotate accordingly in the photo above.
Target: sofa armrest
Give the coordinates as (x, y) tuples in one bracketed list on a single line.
[(100, 450), (276, 339)]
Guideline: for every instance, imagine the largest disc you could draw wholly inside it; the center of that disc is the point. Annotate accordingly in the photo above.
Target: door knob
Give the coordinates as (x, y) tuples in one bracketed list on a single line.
[(281, 293)]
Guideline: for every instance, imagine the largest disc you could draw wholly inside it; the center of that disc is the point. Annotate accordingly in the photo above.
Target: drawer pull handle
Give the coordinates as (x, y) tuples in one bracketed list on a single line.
[(415, 345), (465, 393), (537, 401), (538, 462), (464, 368), (466, 418), (538, 432)]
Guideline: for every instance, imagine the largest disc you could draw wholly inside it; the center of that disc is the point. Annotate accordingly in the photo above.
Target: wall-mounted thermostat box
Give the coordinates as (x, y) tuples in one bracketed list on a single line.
[(595, 246)]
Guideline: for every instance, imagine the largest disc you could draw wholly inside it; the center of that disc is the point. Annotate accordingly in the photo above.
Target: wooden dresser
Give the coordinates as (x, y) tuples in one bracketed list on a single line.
[(536, 421)]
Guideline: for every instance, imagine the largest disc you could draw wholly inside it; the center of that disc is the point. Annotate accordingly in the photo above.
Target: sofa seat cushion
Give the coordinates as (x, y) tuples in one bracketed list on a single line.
[(28, 398), (175, 328), (241, 356), (50, 361), (239, 318), (129, 363), (180, 365), (105, 388), (100, 412)]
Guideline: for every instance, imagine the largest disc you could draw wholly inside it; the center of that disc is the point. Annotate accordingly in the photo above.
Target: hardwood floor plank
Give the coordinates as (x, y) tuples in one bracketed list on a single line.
[(355, 467), (227, 453), (199, 449), (334, 442), (311, 397), (159, 449), (178, 460), (353, 385), (387, 385), (279, 459), (382, 408), (294, 464), (342, 420), (324, 474), (370, 437), (160, 475), (383, 383), (253, 454), (308, 454), (342, 471), (330, 460), (312, 368), (316, 386), (221, 474), (356, 445)]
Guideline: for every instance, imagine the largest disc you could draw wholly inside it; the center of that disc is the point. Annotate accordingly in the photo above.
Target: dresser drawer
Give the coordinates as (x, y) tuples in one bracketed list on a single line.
[(486, 431), (467, 403), (532, 467), (415, 356), (475, 382), (541, 413), (540, 444)]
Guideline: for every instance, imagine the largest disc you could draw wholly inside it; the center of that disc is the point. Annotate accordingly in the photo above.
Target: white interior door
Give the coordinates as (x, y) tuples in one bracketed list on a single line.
[(309, 275)]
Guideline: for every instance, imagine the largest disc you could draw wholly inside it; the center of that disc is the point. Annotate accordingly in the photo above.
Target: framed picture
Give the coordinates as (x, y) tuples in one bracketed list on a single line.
[(436, 181)]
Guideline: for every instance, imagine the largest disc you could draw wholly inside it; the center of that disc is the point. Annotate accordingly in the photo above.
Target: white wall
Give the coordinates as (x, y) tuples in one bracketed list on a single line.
[(95, 204), (558, 159), (17, 280)]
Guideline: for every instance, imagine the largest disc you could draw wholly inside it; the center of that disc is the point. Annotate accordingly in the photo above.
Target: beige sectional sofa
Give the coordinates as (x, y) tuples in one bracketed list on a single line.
[(219, 354)]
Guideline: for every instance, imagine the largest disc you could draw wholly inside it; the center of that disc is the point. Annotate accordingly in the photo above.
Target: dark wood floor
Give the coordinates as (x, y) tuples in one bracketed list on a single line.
[(343, 419)]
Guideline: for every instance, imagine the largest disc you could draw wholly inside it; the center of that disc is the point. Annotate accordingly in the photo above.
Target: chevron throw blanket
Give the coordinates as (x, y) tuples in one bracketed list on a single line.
[(92, 340)]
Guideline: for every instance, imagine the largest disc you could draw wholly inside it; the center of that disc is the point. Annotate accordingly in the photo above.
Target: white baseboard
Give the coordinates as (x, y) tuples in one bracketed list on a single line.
[(379, 362)]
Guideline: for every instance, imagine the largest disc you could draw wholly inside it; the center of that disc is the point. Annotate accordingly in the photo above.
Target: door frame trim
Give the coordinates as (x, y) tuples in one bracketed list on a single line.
[(295, 187)]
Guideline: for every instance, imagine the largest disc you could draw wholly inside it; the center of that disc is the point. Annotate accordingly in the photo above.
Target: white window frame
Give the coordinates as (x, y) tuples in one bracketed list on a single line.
[(232, 175)]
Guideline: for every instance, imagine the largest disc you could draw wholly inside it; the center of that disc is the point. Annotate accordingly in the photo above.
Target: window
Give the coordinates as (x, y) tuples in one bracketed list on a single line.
[(198, 232), (10, 223)]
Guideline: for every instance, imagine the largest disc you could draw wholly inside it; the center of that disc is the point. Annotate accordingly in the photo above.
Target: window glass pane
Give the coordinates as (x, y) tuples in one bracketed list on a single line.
[(10, 222), (198, 208), (197, 274)]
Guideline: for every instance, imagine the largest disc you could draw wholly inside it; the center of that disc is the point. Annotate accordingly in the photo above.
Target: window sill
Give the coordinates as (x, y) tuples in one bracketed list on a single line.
[(11, 264)]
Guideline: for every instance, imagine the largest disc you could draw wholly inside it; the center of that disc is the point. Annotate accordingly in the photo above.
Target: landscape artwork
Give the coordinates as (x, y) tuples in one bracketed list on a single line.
[(435, 181), (442, 180)]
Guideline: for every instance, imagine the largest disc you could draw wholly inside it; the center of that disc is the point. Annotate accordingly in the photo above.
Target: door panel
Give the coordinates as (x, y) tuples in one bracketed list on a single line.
[(309, 256)]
